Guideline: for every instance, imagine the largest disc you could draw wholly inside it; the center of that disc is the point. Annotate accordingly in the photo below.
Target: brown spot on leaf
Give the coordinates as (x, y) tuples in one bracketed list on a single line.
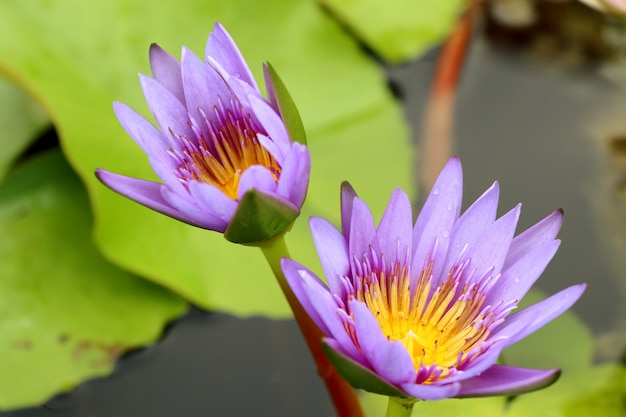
[(103, 354), (23, 344)]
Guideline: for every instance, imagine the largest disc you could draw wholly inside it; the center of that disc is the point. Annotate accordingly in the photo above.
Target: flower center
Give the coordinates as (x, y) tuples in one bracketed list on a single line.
[(440, 327), (221, 157)]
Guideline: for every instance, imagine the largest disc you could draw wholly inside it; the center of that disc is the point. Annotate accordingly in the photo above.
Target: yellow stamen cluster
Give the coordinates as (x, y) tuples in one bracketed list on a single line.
[(234, 147), (438, 328)]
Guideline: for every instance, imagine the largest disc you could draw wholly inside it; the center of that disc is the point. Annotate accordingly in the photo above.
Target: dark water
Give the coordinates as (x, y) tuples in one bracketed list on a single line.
[(552, 137), (206, 365)]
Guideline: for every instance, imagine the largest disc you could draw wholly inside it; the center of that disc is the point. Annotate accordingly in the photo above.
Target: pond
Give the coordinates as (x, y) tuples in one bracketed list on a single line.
[(553, 136)]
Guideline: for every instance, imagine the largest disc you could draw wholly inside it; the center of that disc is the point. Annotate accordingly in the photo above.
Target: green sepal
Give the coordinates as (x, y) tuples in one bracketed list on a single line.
[(358, 376), (286, 106), (260, 218)]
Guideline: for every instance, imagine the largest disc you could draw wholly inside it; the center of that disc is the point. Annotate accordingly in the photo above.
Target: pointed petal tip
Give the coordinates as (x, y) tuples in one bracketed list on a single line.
[(451, 175), (154, 47), (346, 185), (348, 191), (454, 161), (508, 380), (105, 177), (117, 106)]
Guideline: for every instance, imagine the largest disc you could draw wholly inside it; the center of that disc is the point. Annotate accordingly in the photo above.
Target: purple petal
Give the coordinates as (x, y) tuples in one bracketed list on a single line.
[(148, 137), (146, 193), (365, 368), (507, 380), (515, 281), (224, 50), (269, 87), (168, 111), (296, 274), (294, 177), (362, 231), (166, 70), (390, 360), (480, 364), (431, 234), (519, 325), (203, 87), (257, 177), (396, 229), (201, 217), (272, 123), (545, 230), (472, 223), (213, 200), (448, 183), (237, 87), (347, 199), (332, 250), (320, 305), (164, 169), (272, 148), (492, 245), (431, 392)]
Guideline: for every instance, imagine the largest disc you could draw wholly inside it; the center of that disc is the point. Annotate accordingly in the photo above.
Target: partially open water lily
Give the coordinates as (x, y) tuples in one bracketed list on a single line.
[(218, 140), (423, 311)]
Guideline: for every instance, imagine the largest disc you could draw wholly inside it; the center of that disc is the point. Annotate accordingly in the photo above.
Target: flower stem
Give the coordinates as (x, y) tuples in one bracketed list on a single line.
[(437, 143), (343, 396), (397, 407)]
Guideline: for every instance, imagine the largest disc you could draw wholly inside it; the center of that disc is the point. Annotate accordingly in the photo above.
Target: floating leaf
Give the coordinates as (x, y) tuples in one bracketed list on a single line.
[(597, 391), (80, 55), (21, 120), (66, 313), (398, 30)]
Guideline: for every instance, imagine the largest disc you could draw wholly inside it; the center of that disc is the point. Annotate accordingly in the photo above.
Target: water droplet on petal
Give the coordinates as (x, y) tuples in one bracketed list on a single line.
[(435, 191), (445, 234), (517, 280), (450, 207)]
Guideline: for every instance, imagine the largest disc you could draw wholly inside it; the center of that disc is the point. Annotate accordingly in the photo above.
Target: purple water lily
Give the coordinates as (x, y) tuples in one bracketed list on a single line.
[(217, 138), (424, 310)]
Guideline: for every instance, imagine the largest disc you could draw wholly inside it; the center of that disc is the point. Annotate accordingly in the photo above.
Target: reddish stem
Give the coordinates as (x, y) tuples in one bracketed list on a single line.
[(437, 144), (343, 396)]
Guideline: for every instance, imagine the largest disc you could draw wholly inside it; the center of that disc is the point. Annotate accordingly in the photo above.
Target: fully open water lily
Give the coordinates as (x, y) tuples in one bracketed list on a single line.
[(218, 139), (423, 311)]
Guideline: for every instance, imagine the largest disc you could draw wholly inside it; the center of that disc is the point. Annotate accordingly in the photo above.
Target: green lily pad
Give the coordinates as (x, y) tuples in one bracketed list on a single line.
[(398, 30), (78, 56), (21, 119), (594, 391), (66, 313)]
